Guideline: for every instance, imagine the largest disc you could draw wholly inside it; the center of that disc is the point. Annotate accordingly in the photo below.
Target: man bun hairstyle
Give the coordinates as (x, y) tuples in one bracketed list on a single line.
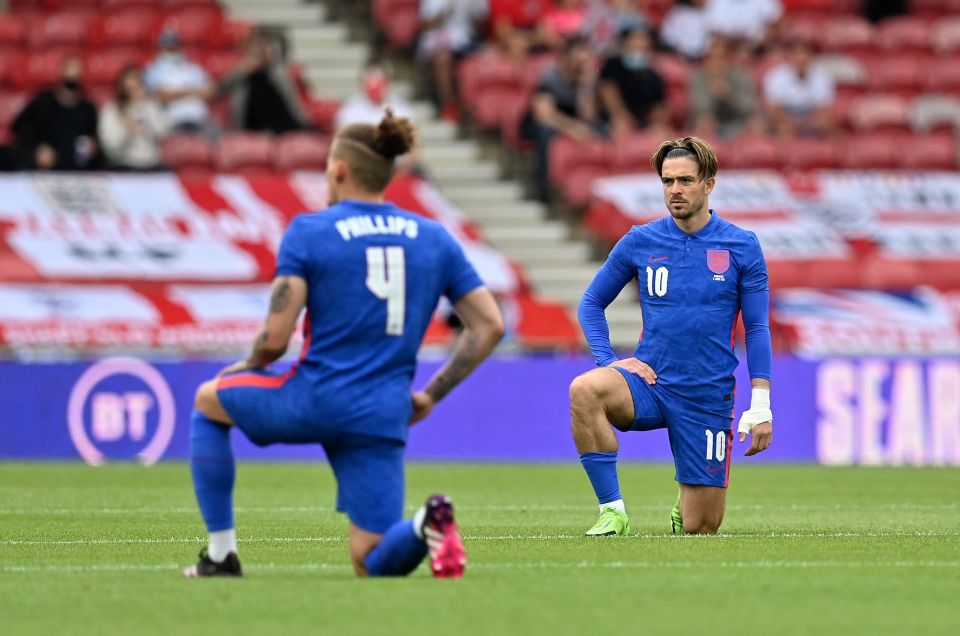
[(371, 151), (693, 148)]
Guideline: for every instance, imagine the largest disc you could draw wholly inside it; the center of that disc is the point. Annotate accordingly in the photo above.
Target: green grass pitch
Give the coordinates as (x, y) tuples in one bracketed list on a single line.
[(804, 550)]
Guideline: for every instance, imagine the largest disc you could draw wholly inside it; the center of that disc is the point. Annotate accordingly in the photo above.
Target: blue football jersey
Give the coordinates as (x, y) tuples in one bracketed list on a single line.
[(374, 276), (691, 287)]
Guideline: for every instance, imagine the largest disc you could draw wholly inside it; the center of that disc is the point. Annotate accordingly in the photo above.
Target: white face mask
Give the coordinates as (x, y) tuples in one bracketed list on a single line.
[(171, 56), (635, 60)]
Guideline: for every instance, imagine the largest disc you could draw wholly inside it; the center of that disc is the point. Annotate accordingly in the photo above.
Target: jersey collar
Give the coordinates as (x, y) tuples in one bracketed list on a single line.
[(702, 233)]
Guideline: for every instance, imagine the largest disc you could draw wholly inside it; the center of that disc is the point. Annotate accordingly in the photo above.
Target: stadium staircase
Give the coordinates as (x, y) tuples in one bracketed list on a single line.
[(557, 263)]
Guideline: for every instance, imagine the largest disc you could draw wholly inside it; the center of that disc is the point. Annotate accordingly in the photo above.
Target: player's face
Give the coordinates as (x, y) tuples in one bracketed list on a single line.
[(684, 192)]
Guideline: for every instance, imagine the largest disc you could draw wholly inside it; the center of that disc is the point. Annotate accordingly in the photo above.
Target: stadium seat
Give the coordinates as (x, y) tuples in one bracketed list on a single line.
[(807, 27), (219, 63), (809, 154), (187, 153), (301, 151), (10, 106), (567, 154), (197, 26), (398, 19), (66, 28), (906, 34), (512, 111), (12, 31), (904, 75), (945, 35), (673, 69), (117, 5), (932, 113), (130, 27), (931, 152), (632, 153), (850, 34), (846, 70), (879, 112), (103, 67), (943, 76), (10, 64), (245, 153), (323, 113), (752, 151), (233, 33), (177, 5), (41, 69), (871, 151)]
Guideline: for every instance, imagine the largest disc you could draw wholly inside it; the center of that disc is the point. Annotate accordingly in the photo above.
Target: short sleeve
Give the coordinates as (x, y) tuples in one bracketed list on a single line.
[(462, 278), (754, 275), (292, 256)]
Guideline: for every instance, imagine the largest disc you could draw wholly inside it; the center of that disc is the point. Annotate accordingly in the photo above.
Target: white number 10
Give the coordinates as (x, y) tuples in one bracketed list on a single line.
[(657, 281), (721, 445), (387, 279)]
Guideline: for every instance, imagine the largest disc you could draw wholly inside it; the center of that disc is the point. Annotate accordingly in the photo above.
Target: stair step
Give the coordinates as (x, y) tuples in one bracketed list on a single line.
[(314, 35), (465, 172), (546, 232), (299, 14), (509, 191)]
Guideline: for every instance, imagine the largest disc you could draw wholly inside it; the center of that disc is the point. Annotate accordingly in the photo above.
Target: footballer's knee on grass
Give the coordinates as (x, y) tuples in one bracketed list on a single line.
[(702, 508), (208, 403), (601, 391), (361, 542)]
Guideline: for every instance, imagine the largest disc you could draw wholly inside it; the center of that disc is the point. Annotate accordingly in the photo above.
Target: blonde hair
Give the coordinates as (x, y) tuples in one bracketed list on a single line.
[(371, 151), (693, 147)]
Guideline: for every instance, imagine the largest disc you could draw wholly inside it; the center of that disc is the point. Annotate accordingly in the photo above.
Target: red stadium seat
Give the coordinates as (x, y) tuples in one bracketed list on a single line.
[(233, 33), (567, 155), (873, 152), (116, 5), (12, 30), (932, 113), (752, 151), (632, 153), (188, 153), (198, 26), (945, 35), (177, 5), (130, 27), (11, 62), (301, 151), (943, 76), (10, 106), (673, 69), (219, 63), (907, 34), (245, 153), (398, 19), (931, 152), (847, 71), (323, 112), (879, 112), (67, 28), (810, 154), (40, 69), (103, 67), (512, 111), (850, 34), (901, 74)]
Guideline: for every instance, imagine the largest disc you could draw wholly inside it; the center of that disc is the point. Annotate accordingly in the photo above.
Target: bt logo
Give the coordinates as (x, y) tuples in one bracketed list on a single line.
[(121, 407)]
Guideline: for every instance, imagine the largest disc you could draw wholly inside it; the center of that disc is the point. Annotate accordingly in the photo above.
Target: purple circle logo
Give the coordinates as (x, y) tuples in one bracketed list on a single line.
[(121, 403)]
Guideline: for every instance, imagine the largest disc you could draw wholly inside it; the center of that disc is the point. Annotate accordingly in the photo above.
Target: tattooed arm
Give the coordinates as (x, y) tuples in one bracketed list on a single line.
[(482, 330), (287, 299)]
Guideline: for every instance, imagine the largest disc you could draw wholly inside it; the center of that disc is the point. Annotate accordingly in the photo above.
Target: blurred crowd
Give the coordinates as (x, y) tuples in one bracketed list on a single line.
[(750, 73)]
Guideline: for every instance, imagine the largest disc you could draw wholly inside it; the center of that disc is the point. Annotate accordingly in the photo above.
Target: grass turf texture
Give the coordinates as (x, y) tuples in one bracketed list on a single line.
[(803, 550)]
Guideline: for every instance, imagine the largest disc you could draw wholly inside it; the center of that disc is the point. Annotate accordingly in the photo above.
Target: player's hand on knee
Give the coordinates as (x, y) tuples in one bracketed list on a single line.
[(242, 365), (639, 367), (761, 438), (423, 403)]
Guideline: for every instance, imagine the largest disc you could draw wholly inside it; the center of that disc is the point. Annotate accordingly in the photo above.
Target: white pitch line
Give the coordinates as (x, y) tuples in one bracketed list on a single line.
[(502, 537), (551, 565)]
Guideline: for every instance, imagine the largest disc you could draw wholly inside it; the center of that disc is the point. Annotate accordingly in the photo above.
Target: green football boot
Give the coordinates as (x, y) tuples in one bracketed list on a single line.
[(676, 522), (611, 523)]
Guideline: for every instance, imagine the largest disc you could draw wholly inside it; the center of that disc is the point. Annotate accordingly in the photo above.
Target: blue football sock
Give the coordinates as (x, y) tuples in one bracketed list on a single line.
[(602, 470), (213, 471), (399, 554)]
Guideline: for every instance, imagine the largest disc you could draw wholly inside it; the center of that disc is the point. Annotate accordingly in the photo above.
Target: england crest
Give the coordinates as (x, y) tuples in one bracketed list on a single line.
[(718, 261)]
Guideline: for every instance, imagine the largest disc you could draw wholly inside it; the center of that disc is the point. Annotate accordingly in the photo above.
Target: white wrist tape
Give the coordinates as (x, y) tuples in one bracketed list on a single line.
[(759, 410)]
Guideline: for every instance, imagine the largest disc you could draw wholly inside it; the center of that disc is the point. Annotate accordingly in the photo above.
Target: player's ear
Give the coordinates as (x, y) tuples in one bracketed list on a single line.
[(712, 181), (339, 171)]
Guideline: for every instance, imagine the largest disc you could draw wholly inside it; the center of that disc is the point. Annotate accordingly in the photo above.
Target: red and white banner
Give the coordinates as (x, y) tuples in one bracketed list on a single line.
[(158, 261)]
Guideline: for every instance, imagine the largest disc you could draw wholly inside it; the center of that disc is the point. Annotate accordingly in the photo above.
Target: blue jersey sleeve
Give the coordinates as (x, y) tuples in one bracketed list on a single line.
[(291, 256), (462, 278), (755, 305), (605, 286)]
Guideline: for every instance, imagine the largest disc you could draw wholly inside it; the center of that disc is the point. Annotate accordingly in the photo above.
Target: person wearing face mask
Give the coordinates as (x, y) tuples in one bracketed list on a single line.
[(183, 87), (57, 129), (632, 93), (369, 104)]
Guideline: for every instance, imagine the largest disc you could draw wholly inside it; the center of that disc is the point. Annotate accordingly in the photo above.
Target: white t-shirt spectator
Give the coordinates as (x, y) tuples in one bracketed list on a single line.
[(742, 18), (455, 31), (132, 139), (685, 29), (783, 86), (360, 109), (177, 73)]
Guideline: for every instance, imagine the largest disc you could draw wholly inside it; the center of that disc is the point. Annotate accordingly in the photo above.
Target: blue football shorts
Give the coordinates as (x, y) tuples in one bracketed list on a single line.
[(278, 408), (699, 439)]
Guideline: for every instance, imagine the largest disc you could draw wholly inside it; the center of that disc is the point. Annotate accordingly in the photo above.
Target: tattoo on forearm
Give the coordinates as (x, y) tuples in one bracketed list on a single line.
[(280, 298), (256, 357), (464, 359)]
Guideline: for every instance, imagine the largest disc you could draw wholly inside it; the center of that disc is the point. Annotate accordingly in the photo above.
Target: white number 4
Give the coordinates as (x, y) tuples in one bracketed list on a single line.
[(657, 281), (721, 445), (387, 279)]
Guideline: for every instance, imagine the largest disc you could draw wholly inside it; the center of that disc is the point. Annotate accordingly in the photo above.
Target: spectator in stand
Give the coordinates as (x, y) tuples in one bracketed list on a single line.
[(756, 22), (514, 24), (685, 29), (262, 92), (632, 93), (57, 129), (368, 106), (606, 18), (722, 96), (562, 20), (564, 103), (799, 94), (182, 86), (449, 32), (132, 125), (877, 10)]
